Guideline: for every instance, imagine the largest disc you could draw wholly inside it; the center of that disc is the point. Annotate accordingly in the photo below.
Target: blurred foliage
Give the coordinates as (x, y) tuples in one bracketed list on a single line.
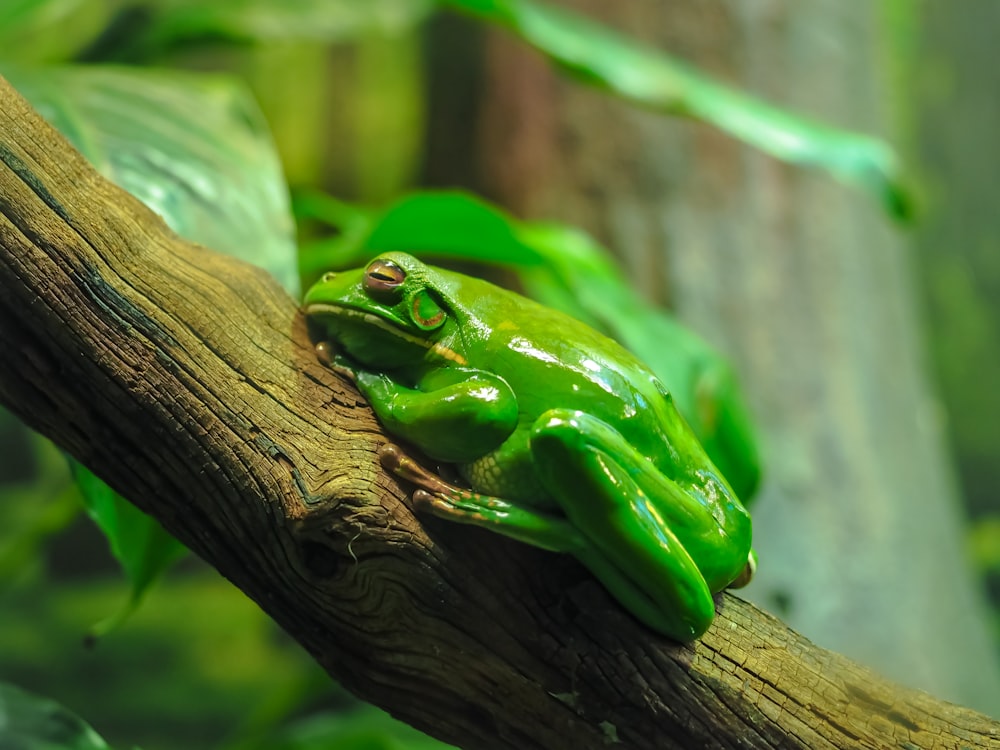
[(342, 88), (41, 31), (139, 544), (28, 722), (165, 25), (198, 666)]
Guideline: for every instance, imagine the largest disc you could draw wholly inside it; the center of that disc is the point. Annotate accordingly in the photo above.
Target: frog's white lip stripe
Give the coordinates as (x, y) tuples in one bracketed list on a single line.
[(321, 308)]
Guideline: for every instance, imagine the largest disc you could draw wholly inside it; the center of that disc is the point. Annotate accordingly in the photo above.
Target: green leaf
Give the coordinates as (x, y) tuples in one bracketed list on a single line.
[(653, 79), (29, 722), (565, 269), (35, 31), (439, 223), (192, 147), (138, 541)]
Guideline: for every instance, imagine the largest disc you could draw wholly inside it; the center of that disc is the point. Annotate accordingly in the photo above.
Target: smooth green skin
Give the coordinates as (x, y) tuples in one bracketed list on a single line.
[(568, 442)]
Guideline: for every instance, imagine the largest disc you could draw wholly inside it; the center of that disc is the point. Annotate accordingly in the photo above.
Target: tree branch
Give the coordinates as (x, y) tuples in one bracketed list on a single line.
[(187, 381)]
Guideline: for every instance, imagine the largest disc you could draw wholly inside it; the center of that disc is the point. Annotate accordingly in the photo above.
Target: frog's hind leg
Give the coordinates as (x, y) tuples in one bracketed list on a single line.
[(585, 464), (465, 506)]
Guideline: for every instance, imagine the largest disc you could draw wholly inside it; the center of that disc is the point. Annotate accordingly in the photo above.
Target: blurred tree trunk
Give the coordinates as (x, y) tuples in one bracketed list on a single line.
[(804, 284), (951, 131)]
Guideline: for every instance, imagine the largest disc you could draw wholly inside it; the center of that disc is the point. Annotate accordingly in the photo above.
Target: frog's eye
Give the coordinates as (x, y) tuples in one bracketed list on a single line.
[(384, 279)]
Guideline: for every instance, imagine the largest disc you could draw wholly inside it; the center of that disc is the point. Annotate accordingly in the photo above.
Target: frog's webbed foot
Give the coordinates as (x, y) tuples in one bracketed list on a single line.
[(462, 505)]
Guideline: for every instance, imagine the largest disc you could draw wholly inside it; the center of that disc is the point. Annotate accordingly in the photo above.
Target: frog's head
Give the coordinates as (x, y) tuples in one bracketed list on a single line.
[(391, 313)]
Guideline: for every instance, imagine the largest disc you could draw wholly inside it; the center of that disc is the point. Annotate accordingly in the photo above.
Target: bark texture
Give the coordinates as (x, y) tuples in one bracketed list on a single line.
[(805, 285), (187, 381)]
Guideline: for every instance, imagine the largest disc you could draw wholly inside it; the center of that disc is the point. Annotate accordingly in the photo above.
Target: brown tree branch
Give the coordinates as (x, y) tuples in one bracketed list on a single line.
[(187, 381)]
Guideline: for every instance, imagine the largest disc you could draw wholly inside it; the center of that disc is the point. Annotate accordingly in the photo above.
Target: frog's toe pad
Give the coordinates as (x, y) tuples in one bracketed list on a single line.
[(746, 575), (428, 502), (325, 352)]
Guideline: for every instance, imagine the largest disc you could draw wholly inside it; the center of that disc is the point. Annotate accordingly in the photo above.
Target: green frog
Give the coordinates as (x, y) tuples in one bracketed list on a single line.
[(565, 439)]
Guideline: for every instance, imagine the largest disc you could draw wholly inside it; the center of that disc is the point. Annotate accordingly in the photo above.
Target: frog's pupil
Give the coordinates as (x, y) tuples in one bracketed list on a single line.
[(385, 274)]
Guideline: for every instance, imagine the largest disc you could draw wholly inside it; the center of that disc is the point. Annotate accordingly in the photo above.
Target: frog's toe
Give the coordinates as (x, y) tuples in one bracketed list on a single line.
[(430, 502)]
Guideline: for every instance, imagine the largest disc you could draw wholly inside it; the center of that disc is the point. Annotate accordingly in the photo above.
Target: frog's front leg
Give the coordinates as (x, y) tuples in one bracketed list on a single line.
[(452, 415), (638, 523), (462, 505)]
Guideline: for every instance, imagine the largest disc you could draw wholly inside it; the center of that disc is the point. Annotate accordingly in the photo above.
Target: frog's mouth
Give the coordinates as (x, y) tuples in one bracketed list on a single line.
[(325, 310)]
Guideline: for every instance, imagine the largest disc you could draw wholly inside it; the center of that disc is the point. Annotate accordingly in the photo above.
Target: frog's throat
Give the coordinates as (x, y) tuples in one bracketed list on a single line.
[(340, 311)]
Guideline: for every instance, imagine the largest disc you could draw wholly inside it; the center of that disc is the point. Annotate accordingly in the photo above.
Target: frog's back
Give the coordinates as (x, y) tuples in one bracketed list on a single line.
[(551, 360)]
